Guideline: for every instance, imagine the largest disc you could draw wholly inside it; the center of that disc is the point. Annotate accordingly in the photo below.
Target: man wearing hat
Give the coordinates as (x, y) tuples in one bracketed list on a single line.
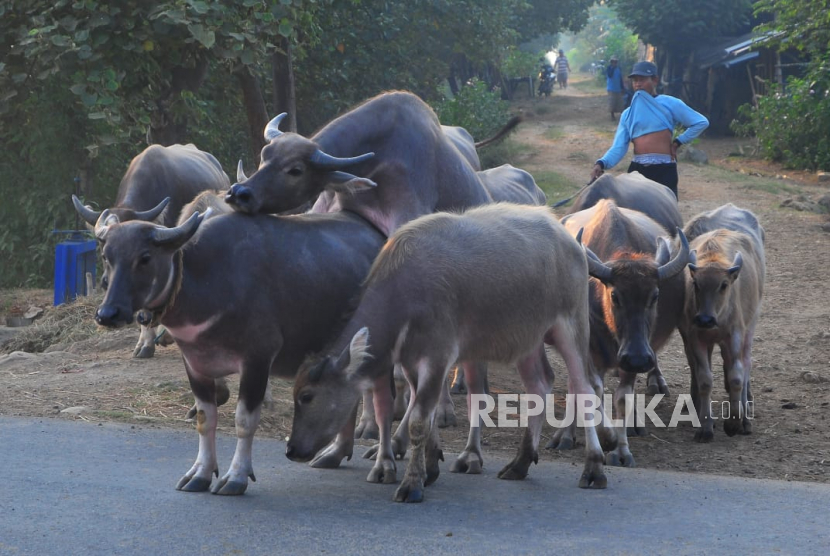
[(614, 86), (649, 123)]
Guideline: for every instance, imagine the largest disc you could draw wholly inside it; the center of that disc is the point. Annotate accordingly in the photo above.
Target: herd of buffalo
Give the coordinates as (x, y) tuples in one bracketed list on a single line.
[(380, 247)]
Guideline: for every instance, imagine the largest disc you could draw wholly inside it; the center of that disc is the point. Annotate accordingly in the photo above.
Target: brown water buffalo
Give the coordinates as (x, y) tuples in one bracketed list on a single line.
[(252, 295), (724, 287), (492, 284), (636, 192), (637, 295), (157, 184)]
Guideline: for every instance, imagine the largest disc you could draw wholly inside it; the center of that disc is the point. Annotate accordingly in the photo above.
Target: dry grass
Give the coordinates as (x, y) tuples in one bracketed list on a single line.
[(64, 324)]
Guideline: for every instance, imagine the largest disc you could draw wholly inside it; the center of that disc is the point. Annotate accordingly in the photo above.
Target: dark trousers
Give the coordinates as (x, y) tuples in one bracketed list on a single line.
[(661, 173)]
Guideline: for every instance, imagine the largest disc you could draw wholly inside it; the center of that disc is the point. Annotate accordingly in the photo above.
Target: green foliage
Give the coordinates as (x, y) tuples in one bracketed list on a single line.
[(604, 36), (480, 111), (680, 25), (792, 128), (518, 63), (802, 24)]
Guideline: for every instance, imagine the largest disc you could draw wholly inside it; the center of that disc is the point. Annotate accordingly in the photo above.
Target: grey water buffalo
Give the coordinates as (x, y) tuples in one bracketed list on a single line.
[(251, 295), (157, 184), (637, 295), (402, 163), (636, 192), (492, 284), (724, 288)]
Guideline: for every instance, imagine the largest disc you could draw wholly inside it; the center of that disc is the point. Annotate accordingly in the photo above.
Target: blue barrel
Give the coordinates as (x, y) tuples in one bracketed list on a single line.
[(73, 259)]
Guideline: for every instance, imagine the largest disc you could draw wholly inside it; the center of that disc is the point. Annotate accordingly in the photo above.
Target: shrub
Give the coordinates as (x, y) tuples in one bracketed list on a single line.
[(791, 128), (480, 111)]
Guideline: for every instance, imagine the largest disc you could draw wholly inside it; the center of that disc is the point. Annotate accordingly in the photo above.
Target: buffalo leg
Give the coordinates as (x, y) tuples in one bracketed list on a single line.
[(621, 456), (199, 477), (384, 470), (252, 386), (470, 460), (699, 355), (735, 378), (445, 412), (537, 378), (146, 346), (656, 382), (367, 427)]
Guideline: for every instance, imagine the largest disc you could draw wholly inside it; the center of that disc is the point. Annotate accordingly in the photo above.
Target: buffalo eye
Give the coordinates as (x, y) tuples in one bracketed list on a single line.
[(295, 171), (724, 285), (144, 259), (615, 299), (305, 398), (655, 297)]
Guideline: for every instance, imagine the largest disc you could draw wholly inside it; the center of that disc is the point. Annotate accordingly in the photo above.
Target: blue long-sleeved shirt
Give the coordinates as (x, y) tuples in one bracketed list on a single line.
[(648, 115), (613, 83)]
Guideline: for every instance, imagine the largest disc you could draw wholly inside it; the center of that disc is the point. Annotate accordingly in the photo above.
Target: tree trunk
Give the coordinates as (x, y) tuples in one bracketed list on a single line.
[(254, 109), (282, 68)]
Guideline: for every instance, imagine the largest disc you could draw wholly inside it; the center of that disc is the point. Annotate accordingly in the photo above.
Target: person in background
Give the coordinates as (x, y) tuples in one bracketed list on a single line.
[(649, 123), (562, 69), (615, 87)]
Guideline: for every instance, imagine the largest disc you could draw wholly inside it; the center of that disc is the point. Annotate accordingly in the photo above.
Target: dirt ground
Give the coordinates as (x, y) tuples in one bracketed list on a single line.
[(97, 379)]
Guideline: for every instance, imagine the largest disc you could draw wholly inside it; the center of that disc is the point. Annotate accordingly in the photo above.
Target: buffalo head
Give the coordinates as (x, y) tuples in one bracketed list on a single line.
[(293, 171), (630, 290), (139, 263), (93, 217), (712, 283)]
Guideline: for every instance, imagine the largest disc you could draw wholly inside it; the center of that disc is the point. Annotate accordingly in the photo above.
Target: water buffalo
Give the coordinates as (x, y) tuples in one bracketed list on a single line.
[(402, 164), (157, 184), (724, 287), (637, 294), (248, 294), (492, 284), (636, 192)]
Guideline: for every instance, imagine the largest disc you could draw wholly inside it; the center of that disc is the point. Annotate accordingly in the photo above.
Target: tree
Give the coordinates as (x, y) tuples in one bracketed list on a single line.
[(677, 27)]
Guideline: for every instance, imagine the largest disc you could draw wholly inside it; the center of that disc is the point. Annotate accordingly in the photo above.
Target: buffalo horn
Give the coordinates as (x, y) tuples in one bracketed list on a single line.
[(693, 260), (273, 128), (178, 235), (153, 213), (102, 226), (679, 262), (663, 251), (321, 159), (597, 268), (737, 263), (89, 215), (240, 173)]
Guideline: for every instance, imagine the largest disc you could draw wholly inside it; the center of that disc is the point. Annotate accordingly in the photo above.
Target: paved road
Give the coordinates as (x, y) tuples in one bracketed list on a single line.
[(80, 488)]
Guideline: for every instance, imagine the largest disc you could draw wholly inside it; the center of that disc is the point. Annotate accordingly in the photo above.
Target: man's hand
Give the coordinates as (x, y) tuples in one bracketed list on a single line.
[(597, 171), (675, 145)]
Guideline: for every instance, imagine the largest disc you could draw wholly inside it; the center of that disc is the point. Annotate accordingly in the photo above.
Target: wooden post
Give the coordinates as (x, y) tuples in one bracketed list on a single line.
[(90, 286), (752, 86)]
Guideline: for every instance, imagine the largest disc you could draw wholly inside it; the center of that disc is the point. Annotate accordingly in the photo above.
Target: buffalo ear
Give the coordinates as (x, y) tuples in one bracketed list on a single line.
[(357, 353), (344, 182)]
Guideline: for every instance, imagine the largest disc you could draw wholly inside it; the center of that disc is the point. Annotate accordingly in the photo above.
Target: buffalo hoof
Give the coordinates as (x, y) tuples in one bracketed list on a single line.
[(367, 429), (164, 339), (657, 385), (560, 441), (433, 470), (144, 352), (618, 459), (230, 488), (398, 450), (704, 436), (468, 462), (409, 492), (193, 484), (733, 426), (445, 416), (514, 471), (747, 427), (384, 473), (596, 480), (329, 459)]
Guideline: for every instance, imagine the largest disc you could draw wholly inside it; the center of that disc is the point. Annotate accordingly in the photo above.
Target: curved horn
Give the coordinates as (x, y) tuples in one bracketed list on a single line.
[(679, 262), (240, 173), (273, 128), (90, 216), (153, 213), (179, 235), (321, 159), (693, 260), (102, 226), (737, 263), (663, 251), (597, 268)]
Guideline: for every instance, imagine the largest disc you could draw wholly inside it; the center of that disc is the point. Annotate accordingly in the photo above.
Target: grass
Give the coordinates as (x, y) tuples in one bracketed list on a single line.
[(750, 181), (554, 133), (555, 185)]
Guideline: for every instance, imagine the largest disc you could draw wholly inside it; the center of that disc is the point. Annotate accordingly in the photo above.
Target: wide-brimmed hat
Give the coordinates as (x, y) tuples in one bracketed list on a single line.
[(645, 69)]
